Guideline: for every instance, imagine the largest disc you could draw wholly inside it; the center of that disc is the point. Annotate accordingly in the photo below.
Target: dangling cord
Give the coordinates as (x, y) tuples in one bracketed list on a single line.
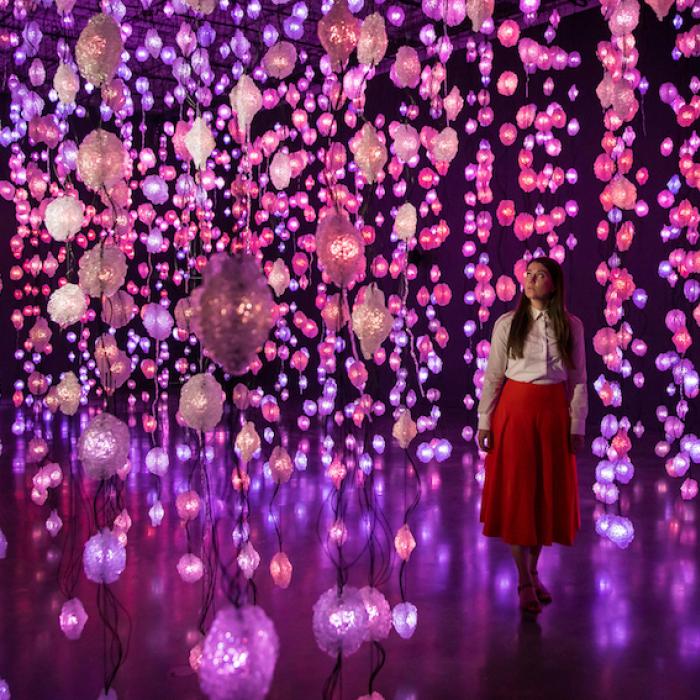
[(208, 536), (403, 285), (276, 516), (407, 514), (70, 567), (115, 653), (334, 680)]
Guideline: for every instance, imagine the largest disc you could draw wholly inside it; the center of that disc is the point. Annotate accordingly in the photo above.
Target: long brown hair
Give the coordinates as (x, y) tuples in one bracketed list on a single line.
[(522, 318)]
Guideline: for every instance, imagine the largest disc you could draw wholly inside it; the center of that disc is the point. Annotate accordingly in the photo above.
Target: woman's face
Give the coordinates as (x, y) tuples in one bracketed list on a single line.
[(538, 283)]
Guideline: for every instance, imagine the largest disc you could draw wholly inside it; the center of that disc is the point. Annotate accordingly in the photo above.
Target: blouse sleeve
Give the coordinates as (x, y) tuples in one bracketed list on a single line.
[(495, 373), (576, 381)]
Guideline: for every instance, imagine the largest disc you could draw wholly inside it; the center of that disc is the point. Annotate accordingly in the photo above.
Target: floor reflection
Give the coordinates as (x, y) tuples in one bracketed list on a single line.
[(624, 623)]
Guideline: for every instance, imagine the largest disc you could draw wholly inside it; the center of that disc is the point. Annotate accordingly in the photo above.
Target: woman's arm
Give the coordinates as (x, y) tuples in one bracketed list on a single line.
[(495, 373), (578, 403)]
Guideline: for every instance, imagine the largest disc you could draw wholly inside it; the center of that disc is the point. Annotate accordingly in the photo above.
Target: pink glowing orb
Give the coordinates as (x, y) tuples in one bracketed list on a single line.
[(239, 655)]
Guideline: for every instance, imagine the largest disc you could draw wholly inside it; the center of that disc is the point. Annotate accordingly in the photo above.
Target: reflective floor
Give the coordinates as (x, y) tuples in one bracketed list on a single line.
[(624, 623)]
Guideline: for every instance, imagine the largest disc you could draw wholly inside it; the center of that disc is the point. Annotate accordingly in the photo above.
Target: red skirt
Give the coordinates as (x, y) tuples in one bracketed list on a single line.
[(530, 491)]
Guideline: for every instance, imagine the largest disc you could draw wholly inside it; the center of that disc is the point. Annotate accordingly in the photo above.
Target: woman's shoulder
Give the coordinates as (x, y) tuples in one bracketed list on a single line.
[(574, 320), (505, 318)]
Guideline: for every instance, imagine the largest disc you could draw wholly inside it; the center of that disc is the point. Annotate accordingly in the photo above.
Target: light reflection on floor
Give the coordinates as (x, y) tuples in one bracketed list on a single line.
[(623, 624)]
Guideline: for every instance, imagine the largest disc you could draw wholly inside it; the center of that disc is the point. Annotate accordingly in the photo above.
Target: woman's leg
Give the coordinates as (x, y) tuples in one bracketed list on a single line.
[(522, 562), (543, 594), (529, 603)]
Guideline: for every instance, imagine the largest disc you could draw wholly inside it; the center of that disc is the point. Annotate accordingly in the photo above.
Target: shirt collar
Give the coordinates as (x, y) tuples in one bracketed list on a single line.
[(536, 313)]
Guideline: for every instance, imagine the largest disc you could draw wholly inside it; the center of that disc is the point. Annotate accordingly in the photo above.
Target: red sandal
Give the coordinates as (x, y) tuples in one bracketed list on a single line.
[(529, 603), (543, 595)]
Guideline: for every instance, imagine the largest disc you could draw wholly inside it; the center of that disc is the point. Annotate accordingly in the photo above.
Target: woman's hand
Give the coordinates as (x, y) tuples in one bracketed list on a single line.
[(484, 440), (575, 443)]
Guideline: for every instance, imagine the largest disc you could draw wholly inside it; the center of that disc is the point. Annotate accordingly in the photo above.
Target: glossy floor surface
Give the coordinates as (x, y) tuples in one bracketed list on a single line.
[(624, 623)]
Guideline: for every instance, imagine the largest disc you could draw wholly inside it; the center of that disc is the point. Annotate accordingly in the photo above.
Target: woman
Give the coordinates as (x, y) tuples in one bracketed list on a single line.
[(532, 429)]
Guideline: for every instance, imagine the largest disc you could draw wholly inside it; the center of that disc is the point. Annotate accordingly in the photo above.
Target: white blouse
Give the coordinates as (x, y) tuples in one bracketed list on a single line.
[(541, 364)]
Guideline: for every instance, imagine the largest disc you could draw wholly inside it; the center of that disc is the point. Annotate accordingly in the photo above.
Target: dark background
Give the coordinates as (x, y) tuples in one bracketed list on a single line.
[(585, 298)]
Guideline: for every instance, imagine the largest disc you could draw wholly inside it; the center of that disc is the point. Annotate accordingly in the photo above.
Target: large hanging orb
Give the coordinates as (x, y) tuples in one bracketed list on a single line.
[(68, 393), (199, 142), (340, 622), (157, 321), (113, 364), (239, 655), (378, 613), (234, 311), (67, 305), (370, 153), (201, 402), (280, 170), (625, 18), (104, 557), (371, 320), (66, 83), (102, 160), (479, 11), (339, 32), (279, 60), (64, 218), (102, 270), (373, 42), (406, 69), (246, 101), (118, 309), (99, 48), (340, 249), (406, 142), (103, 448), (406, 221)]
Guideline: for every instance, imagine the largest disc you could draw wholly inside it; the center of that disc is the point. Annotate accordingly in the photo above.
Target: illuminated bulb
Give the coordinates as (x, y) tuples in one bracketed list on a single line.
[(54, 523), (102, 160), (103, 446), (102, 270), (281, 570), (281, 466), (67, 305), (199, 142), (187, 505), (190, 568), (98, 50), (157, 461), (378, 613), (405, 618), (340, 621), (104, 557), (404, 542), (371, 320), (156, 513), (239, 654), (201, 402), (246, 101), (248, 559), (405, 429), (72, 618), (63, 218), (247, 441), (373, 41)]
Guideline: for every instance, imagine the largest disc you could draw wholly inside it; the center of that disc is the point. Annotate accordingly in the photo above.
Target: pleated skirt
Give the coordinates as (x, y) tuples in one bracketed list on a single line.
[(530, 494)]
